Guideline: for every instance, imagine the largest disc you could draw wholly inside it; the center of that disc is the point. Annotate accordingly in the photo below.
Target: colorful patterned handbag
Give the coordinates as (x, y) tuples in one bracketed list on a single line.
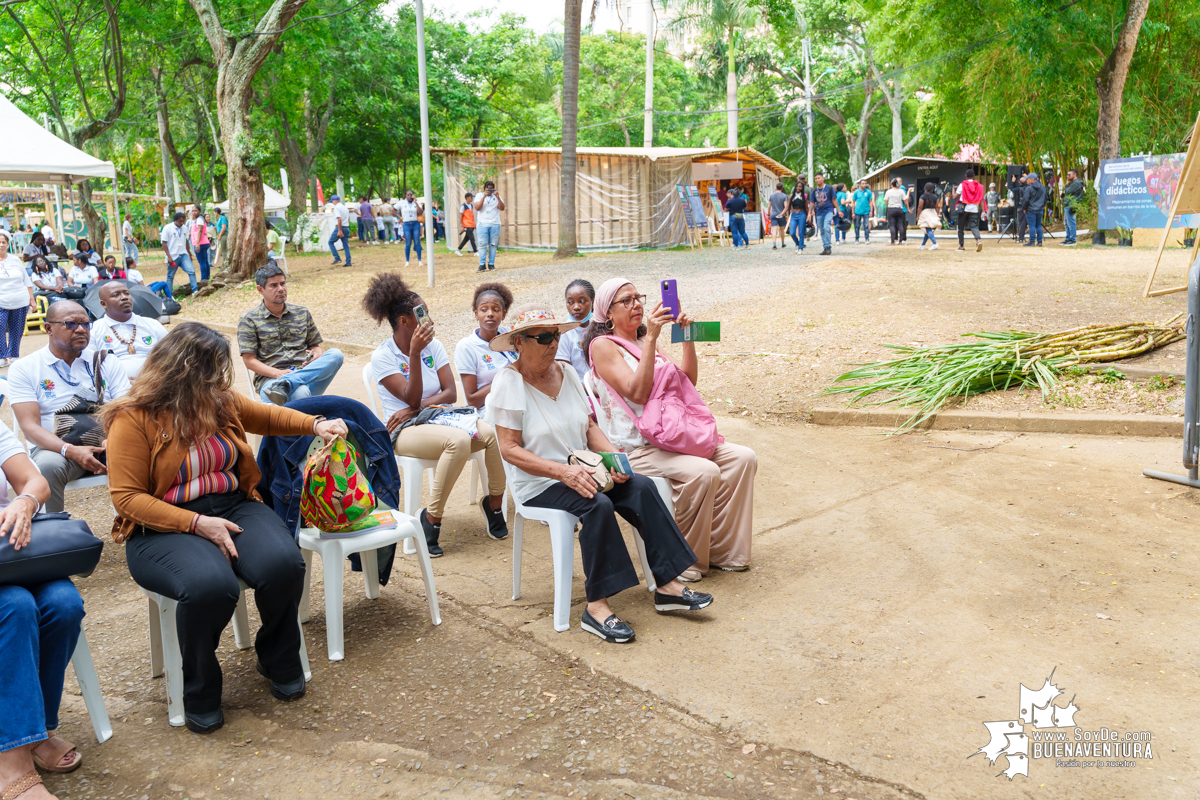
[(337, 496)]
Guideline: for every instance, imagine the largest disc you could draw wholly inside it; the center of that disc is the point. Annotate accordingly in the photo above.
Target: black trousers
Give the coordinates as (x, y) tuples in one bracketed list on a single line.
[(896, 220), (192, 570), (606, 566), (968, 220), (1021, 225), (468, 235)]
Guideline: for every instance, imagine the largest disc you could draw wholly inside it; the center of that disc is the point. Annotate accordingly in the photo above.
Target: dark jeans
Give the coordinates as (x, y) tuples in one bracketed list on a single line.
[(606, 566), (39, 628), (191, 569), (862, 222), (1033, 222), (344, 238), (468, 235), (202, 259), (897, 221), (968, 220), (1021, 224), (737, 231)]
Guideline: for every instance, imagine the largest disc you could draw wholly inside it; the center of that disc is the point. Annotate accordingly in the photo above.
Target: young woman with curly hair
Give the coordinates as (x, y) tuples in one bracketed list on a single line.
[(183, 482), (404, 391)]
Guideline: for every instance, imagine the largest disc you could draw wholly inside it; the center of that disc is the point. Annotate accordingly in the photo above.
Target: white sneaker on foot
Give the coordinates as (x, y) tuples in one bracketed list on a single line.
[(922, 247)]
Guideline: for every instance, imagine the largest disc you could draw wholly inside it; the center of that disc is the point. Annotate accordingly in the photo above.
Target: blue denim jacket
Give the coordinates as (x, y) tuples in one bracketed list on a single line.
[(281, 460)]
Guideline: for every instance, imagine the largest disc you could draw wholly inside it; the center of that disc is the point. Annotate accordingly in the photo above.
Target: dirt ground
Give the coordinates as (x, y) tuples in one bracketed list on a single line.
[(903, 587)]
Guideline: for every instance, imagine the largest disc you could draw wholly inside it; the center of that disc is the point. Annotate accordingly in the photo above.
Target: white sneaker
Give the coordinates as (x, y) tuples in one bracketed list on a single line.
[(922, 247), (934, 246), (458, 253)]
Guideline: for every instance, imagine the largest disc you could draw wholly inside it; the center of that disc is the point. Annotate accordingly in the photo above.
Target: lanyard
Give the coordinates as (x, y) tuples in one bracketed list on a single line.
[(67, 378)]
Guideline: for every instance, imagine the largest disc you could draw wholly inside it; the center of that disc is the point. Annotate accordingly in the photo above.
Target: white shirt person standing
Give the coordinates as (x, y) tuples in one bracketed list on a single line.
[(488, 206), (128, 336)]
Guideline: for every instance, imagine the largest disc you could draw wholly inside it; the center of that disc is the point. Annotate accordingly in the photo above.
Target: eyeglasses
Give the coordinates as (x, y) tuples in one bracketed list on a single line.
[(73, 326), (544, 338), (628, 302)]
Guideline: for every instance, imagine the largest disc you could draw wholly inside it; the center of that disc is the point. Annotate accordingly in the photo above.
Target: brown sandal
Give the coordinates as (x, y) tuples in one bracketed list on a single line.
[(21, 785), (54, 764)]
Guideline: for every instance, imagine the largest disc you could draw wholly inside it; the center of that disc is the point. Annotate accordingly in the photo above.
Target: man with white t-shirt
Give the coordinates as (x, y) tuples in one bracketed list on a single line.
[(61, 377), (487, 225), (341, 230), (127, 336), (177, 243)]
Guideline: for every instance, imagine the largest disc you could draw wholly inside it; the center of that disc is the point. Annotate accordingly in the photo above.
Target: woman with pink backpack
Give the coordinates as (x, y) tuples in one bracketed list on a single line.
[(650, 409)]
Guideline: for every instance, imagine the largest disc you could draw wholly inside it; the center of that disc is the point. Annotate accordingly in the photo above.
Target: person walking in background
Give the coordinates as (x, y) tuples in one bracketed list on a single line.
[(439, 223), (893, 199), (1072, 197), (798, 213), (366, 221), (1035, 204), (779, 215), (927, 216), (487, 225), (845, 211), (198, 232), (970, 194), (993, 206), (863, 202), (410, 216), (1019, 191), (16, 300), (341, 230), (128, 243), (220, 251), (823, 211), (383, 221), (736, 207), (466, 221)]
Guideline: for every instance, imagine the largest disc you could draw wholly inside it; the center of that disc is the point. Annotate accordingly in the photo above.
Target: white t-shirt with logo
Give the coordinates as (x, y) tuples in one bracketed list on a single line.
[(43, 378), (15, 284), (342, 213), (176, 239), (144, 332), (409, 210), (570, 350), (489, 214), (473, 356), (388, 360), (85, 276)]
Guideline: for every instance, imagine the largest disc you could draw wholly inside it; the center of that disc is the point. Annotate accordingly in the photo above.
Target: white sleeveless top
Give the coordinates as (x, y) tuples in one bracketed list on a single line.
[(611, 417)]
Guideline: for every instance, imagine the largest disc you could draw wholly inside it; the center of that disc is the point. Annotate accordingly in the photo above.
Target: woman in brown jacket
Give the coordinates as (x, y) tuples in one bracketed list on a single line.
[(182, 479)]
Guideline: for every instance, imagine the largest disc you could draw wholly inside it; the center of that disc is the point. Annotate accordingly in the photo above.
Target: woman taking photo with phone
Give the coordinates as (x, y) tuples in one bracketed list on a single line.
[(405, 390), (714, 497)]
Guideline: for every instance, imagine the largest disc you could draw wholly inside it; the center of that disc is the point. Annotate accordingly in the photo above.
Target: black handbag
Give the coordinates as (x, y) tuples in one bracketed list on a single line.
[(59, 547)]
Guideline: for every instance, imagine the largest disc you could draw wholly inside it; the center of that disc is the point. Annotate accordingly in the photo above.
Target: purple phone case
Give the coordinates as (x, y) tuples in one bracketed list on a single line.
[(670, 296)]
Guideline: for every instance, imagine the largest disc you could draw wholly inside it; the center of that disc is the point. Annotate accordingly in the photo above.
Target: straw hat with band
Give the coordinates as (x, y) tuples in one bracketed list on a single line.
[(538, 317)]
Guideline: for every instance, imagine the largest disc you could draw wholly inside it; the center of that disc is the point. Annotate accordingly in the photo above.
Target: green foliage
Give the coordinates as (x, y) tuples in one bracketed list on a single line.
[(1110, 375)]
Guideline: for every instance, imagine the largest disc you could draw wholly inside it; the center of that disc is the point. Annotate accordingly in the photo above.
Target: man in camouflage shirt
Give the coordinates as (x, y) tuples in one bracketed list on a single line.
[(280, 344)]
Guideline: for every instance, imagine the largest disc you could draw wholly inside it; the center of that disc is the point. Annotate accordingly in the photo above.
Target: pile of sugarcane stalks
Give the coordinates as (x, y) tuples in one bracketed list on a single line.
[(933, 376)]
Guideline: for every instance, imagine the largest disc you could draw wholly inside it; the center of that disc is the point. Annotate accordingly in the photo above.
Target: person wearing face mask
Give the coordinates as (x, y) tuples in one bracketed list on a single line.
[(714, 497), (412, 372), (580, 296), (476, 363)]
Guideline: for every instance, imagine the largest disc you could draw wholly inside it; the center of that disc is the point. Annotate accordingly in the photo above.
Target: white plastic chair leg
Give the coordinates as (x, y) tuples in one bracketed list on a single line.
[(562, 542), (518, 537), (172, 659), (646, 573), (304, 654), (414, 473), (305, 596), (664, 491), (331, 564), (435, 614), (89, 687), (156, 645), (241, 624), (370, 568), (477, 478)]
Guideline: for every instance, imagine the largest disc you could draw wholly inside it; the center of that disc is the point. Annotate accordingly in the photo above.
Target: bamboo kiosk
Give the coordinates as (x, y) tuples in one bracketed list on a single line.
[(625, 196)]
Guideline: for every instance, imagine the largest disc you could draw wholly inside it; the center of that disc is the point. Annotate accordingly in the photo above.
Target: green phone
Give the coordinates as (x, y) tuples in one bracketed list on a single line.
[(696, 332)]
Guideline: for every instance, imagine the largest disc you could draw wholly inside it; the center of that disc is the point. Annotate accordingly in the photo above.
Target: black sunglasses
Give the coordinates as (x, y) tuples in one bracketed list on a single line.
[(544, 338), (72, 326)]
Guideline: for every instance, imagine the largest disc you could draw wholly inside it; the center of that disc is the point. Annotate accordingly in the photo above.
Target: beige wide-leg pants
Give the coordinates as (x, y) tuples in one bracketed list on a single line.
[(714, 499), (451, 448)]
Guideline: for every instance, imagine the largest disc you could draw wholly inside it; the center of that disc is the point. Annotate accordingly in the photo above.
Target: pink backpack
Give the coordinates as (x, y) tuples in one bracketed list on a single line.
[(675, 417)]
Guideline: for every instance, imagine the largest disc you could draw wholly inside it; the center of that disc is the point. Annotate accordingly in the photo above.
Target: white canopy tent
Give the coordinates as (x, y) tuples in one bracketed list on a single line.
[(36, 155), (272, 201)]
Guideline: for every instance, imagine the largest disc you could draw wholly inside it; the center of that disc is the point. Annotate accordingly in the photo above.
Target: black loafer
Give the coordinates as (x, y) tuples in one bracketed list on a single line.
[(614, 629), (690, 600), (293, 690), (432, 533), (497, 527), (204, 723)]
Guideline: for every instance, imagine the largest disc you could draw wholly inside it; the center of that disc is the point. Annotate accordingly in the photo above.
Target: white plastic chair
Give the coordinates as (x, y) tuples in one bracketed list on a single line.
[(250, 383), (562, 545), (334, 551), (281, 259), (89, 687), (412, 470), (166, 655)]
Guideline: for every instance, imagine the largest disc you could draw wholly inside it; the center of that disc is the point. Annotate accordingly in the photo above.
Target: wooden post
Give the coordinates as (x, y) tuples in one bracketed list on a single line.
[(1190, 166)]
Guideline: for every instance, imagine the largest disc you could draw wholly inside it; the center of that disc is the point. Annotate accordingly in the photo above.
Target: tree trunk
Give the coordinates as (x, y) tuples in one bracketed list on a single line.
[(731, 101), (897, 130), (568, 234), (97, 225), (238, 61), (1110, 83), (168, 178)]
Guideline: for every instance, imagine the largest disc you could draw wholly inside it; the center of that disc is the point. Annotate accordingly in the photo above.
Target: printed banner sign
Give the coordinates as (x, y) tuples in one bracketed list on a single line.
[(1137, 192), (698, 214)]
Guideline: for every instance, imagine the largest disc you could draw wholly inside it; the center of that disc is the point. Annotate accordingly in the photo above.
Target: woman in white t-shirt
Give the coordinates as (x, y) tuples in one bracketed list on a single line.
[(896, 216), (82, 272), (16, 300), (580, 296), (410, 212), (405, 391), (478, 364)]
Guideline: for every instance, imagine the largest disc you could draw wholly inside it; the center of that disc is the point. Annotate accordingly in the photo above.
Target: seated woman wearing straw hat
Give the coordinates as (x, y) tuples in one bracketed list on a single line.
[(540, 415)]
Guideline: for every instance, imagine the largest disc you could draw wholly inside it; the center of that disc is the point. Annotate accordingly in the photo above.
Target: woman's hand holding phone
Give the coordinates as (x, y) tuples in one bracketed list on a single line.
[(658, 318)]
